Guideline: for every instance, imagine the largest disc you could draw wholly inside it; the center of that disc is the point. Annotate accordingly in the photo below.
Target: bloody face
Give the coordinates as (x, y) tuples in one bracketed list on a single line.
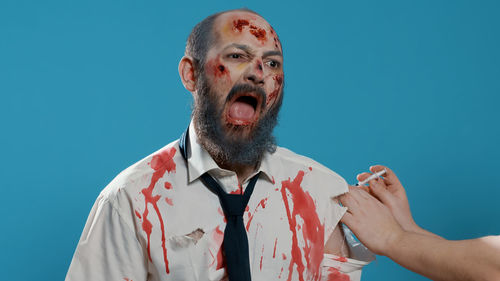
[(246, 52), (242, 80)]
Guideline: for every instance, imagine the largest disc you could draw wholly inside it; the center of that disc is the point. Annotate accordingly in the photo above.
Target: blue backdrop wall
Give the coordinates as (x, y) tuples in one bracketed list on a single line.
[(89, 87)]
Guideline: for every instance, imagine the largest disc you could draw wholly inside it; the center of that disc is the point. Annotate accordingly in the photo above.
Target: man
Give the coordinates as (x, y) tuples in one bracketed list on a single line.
[(169, 216), (387, 228)]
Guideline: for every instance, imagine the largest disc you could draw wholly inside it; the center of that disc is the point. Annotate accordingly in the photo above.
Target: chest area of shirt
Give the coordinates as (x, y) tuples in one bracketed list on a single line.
[(184, 230)]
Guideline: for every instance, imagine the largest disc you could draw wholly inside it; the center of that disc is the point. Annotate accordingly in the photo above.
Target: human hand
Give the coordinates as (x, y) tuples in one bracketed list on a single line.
[(370, 220), (392, 194)]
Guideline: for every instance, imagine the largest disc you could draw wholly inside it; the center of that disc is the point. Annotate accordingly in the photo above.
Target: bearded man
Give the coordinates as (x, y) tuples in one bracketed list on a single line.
[(223, 202)]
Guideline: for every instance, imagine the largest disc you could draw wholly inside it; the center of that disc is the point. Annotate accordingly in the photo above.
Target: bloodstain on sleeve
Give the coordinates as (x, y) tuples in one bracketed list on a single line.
[(335, 275), (341, 259), (311, 228), (161, 163)]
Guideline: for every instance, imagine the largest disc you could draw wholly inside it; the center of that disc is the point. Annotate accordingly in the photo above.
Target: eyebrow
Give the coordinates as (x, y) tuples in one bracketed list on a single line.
[(241, 47), (272, 53), (248, 50)]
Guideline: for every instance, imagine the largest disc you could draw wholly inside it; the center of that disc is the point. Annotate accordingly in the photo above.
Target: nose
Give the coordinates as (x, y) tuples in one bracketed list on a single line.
[(255, 74)]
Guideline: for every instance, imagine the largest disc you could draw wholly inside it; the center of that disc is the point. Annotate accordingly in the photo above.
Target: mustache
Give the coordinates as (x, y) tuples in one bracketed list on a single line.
[(239, 88)]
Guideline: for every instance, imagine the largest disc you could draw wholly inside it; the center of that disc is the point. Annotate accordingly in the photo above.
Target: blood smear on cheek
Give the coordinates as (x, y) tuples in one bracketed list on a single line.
[(274, 94)]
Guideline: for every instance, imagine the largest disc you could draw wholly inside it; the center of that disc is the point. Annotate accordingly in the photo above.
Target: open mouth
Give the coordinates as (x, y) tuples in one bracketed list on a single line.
[(244, 109)]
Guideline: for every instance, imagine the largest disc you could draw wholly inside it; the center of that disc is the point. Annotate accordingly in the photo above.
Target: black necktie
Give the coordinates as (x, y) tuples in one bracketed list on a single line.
[(235, 236)]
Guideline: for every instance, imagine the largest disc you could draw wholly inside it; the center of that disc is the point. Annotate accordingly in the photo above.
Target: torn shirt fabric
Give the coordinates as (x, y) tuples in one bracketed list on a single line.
[(157, 221)]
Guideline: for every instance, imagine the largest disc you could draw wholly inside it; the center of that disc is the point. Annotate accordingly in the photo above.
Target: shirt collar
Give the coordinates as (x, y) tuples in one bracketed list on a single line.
[(199, 160)]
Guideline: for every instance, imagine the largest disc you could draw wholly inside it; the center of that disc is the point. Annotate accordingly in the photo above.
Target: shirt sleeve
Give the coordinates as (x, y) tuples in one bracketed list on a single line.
[(108, 248)]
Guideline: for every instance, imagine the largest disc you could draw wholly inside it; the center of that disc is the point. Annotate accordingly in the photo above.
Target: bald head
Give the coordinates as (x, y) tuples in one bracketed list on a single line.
[(207, 32)]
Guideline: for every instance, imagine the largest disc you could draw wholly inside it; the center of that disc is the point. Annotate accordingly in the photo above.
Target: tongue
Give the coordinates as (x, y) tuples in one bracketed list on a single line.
[(241, 110)]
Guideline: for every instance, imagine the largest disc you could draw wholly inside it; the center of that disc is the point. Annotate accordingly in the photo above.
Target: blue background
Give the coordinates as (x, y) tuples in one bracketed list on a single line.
[(90, 87)]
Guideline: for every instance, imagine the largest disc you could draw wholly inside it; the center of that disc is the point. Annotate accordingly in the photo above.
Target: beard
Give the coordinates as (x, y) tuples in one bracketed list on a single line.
[(230, 144)]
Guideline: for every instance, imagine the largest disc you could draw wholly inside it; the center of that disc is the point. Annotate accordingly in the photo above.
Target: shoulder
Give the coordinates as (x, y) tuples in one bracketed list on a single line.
[(316, 172), (291, 158), (130, 182)]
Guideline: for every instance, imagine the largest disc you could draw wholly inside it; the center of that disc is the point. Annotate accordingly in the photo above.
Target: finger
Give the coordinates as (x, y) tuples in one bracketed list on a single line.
[(344, 200), (361, 193), (349, 201), (347, 219), (363, 176), (380, 192), (363, 187), (389, 177)]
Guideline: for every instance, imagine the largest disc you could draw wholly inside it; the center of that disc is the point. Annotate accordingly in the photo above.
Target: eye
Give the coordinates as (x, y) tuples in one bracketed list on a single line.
[(273, 64), (235, 56)]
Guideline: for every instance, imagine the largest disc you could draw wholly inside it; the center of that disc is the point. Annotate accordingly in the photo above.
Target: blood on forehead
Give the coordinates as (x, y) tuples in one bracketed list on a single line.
[(244, 23), (240, 25)]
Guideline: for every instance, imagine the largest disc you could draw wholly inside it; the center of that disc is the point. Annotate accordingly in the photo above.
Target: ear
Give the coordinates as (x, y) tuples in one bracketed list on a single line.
[(186, 72)]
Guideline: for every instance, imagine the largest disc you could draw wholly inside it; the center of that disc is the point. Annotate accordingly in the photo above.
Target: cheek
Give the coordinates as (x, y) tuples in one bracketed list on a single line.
[(276, 85), (217, 71)]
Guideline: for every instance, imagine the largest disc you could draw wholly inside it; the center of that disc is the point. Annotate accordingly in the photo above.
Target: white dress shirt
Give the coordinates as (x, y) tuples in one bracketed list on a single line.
[(157, 221)]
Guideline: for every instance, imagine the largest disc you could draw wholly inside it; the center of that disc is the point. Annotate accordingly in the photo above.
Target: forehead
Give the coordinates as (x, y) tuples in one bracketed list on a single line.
[(245, 28)]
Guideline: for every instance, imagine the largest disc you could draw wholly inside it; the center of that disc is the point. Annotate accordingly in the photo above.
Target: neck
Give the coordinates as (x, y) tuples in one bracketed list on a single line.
[(242, 171)]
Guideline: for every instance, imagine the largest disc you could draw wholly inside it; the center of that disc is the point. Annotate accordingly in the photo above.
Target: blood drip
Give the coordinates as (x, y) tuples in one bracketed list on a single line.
[(274, 251), (262, 204), (218, 237), (160, 163), (138, 214), (312, 229), (261, 257)]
